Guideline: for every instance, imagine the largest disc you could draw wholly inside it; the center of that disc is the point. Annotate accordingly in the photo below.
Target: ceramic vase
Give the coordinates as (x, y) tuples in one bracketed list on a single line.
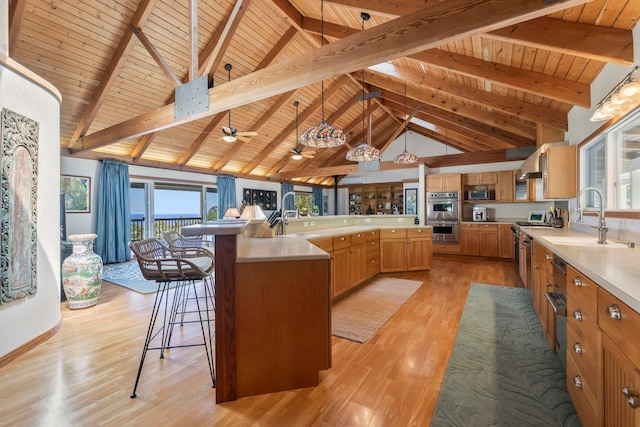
[(82, 272)]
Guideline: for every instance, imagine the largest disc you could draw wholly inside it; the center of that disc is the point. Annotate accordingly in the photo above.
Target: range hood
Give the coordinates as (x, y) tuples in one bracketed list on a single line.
[(531, 167)]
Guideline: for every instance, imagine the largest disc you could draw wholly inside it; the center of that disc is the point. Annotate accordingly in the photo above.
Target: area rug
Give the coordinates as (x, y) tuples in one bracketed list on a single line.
[(358, 316), (501, 371), (128, 275)]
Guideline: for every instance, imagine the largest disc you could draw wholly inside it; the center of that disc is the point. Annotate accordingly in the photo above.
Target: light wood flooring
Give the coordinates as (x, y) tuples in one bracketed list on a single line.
[(84, 375)]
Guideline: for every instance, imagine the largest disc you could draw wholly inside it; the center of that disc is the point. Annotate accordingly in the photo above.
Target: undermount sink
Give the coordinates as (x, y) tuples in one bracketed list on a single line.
[(581, 241)]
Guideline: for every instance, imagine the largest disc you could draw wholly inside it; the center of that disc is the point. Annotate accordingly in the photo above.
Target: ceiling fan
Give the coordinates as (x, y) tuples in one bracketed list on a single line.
[(229, 133)]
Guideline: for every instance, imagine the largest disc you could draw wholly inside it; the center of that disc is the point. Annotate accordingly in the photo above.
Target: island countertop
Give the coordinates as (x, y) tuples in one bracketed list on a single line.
[(615, 268)]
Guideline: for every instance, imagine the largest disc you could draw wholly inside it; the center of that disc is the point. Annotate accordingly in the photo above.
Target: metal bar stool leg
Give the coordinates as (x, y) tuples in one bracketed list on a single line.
[(157, 303)]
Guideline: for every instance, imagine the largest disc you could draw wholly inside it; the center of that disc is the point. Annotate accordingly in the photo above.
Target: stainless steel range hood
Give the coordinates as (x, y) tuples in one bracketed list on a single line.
[(531, 167)]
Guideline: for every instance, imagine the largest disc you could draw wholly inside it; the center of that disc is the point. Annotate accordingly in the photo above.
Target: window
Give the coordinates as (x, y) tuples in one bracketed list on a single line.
[(211, 204), (611, 163)]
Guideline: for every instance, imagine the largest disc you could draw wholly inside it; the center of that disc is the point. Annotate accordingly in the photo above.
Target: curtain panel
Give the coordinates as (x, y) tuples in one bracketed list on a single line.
[(114, 212), (226, 194), (290, 203), (317, 198)]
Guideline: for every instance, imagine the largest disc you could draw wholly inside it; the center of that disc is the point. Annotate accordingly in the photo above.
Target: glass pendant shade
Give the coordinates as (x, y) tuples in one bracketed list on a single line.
[(322, 135), (363, 153), (405, 158)]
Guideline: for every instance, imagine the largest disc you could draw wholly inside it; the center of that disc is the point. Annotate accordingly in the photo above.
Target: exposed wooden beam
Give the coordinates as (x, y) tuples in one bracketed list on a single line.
[(193, 39), (156, 56), (401, 127), (142, 146), (490, 100), (427, 28), (597, 42), (562, 90), (16, 13), (284, 134), (492, 136), (480, 157), (213, 52), (139, 19), (435, 99), (201, 139)]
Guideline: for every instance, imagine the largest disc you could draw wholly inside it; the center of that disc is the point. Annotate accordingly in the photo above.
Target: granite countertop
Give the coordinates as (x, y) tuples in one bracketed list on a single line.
[(614, 267)]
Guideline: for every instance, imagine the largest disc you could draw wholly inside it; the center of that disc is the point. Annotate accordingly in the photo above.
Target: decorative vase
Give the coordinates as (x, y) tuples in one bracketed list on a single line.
[(82, 272)]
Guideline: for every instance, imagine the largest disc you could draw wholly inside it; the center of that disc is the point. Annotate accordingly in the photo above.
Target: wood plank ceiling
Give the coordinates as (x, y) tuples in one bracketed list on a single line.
[(483, 76)]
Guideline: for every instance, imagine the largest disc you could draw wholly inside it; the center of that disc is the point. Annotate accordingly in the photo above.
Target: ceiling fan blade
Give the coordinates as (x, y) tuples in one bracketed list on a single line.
[(227, 130), (239, 137), (249, 133)]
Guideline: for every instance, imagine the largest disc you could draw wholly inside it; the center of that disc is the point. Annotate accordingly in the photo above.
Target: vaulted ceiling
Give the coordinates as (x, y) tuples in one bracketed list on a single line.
[(482, 76)]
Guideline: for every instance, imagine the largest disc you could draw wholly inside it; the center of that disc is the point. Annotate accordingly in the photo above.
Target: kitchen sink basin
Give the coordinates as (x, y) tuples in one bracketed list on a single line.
[(581, 241)]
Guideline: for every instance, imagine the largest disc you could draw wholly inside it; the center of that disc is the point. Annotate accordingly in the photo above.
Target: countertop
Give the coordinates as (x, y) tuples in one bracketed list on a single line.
[(614, 268)]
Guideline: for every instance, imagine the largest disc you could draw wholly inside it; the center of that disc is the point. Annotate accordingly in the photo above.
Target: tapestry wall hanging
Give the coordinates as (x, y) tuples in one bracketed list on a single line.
[(19, 243)]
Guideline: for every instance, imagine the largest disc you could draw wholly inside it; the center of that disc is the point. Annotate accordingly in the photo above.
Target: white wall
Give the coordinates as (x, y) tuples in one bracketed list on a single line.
[(26, 319)]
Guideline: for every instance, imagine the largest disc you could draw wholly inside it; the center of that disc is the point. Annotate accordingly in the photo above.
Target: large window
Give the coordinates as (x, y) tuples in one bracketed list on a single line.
[(161, 206), (611, 163)]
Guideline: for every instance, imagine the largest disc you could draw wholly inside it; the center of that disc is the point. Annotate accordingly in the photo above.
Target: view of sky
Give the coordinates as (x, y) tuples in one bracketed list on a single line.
[(171, 202)]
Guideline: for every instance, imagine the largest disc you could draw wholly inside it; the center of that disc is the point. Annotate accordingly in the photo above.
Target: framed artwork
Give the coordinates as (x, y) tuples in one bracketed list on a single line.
[(410, 201), (77, 193)]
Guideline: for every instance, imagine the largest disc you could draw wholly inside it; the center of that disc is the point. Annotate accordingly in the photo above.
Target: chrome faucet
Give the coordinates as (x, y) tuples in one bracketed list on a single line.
[(602, 226), (284, 217)]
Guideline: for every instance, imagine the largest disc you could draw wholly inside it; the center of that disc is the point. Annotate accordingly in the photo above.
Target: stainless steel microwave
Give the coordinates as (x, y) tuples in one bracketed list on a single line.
[(479, 195)]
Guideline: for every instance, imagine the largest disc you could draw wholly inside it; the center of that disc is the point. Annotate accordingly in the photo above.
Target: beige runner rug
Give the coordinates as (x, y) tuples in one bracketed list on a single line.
[(358, 316)]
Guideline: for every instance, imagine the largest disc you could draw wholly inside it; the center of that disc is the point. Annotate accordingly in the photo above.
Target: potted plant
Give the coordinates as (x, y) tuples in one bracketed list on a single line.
[(315, 211)]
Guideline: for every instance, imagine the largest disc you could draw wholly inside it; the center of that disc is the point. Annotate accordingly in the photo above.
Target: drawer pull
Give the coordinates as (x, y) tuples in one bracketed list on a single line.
[(614, 312), (358, 235), (631, 397), (577, 281), (577, 348), (547, 256), (419, 230), (393, 231), (577, 315), (577, 381), (342, 238)]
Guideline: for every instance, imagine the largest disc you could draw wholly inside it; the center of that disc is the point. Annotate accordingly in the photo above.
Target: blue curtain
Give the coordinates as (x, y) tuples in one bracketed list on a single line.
[(226, 194), (114, 212), (290, 203), (317, 198)]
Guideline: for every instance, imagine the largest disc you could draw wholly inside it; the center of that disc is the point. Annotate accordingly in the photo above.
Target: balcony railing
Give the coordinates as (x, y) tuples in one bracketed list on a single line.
[(160, 225)]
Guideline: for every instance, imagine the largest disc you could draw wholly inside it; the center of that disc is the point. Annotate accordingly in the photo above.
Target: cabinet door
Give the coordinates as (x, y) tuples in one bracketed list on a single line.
[(451, 181), (506, 244), (469, 241), (419, 254), (373, 258), (340, 272), (434, 182), (488, 240), (621, 391), (505, 188), (558, 166), (357, 264), (393, 255)]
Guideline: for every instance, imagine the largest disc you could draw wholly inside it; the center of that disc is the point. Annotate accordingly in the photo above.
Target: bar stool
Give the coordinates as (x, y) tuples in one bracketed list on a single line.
[(158, 262)]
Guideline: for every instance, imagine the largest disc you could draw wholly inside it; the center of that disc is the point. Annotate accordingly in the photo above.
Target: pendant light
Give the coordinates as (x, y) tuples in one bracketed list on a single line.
[(405, 158), (297, 155), (322, 135), (363, 152)]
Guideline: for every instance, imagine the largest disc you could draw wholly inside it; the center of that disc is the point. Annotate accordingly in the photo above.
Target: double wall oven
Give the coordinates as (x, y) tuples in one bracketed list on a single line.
[(443, 212)]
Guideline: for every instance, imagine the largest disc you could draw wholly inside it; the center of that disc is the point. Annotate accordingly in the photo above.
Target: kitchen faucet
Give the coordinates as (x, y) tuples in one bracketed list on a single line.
[(602, 226), (285, 212)]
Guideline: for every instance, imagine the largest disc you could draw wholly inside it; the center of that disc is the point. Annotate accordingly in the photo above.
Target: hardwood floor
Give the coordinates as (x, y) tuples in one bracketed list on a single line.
[(85, 373)]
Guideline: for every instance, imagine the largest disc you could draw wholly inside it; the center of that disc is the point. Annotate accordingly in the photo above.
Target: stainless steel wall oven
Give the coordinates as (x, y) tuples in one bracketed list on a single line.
[(443, 214)]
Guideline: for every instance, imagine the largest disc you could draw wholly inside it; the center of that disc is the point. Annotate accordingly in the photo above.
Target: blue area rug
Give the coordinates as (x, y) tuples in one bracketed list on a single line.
[(501, 371), (128, 275)]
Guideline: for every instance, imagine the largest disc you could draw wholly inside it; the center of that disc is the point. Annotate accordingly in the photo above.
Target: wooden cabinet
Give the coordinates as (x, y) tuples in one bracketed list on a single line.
[(621, 387), (479, 239), (505, 186), (339, 274), (404, 249), (445, 248), (372, 253), (583, 347), (558, 166), (373, 199), (480, 178), (357, 264), (444, 182), (506, 243)]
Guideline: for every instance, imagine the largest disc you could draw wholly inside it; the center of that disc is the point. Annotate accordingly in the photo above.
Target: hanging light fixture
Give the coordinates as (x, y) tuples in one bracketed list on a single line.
[(405, 158), (297, 152), (622, 98), (322, 135), (363, 152)]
